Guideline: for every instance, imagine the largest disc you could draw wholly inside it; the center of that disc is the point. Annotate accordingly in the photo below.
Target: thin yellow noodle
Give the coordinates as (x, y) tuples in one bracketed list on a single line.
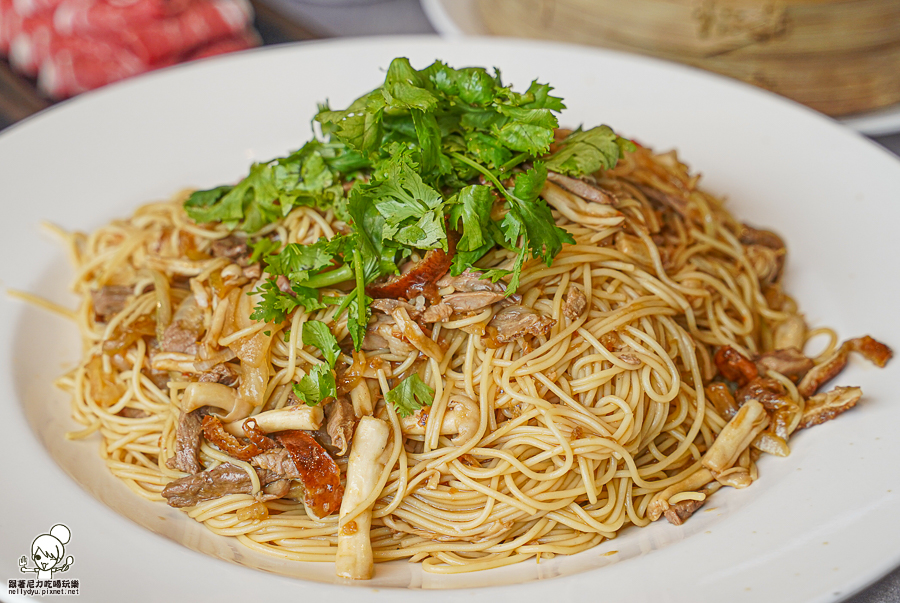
[(577, 428)]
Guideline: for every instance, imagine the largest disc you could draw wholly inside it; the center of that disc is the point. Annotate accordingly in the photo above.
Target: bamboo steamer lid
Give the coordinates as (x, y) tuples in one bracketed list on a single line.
[(837, 56)]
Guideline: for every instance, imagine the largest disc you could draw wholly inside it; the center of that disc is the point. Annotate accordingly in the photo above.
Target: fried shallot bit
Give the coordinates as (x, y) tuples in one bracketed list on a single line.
[(823, 372), (767, 441), (826, 406), (575, 303), (124, 335), (722, 400), (421, 279), (789, 362), (256, 511), (872, 350), (516, 322), (581, 188), (319, 473), (734, 366), (215, 433)]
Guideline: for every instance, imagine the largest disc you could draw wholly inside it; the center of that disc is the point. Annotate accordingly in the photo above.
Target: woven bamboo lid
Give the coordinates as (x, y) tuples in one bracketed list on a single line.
[(837, 56)]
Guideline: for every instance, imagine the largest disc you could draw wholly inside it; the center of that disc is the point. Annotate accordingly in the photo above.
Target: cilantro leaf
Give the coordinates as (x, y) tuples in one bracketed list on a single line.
[(410, 395), (586, 151), (298, 262), (316, 385), (275, 305), (532, 215), (316, 333), (263, 248), (473, 207)]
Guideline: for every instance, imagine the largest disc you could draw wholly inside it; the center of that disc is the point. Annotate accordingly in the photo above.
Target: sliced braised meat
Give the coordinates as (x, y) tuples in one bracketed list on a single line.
[(383, 333), (231, 247), (826, 406), (469, 281), (437, 313), (340, 421), (420, 279), (278, 461), (516, 322), (284, 285), (471, 301), (319, 473), (187, 325), (575, 303), (790, 362), (768, 392), (109, 301), (755, 236), (734, 366), (187, 443), (387, 306), (581, 188), (220, 373), (678, 204), (133, 413), (214, 483), (277, 489), (679, 512)]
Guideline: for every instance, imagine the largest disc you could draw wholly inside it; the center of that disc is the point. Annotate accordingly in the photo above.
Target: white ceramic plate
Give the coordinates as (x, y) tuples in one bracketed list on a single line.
[(813, 528), (462, 18)]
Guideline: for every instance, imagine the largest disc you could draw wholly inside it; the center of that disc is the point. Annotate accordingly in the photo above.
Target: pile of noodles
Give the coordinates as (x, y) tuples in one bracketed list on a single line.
[(577, 430)]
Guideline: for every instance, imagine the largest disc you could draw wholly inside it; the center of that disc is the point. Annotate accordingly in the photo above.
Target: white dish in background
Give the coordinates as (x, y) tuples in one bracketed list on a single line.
[(813, 528), (462, 18)]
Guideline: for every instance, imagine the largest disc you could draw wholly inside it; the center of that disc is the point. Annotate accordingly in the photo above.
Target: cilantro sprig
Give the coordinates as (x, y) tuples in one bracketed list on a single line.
[(428, 151), (410, 395)]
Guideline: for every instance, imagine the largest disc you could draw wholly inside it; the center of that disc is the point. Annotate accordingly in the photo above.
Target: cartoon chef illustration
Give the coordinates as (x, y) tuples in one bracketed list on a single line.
[(47, 552)]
